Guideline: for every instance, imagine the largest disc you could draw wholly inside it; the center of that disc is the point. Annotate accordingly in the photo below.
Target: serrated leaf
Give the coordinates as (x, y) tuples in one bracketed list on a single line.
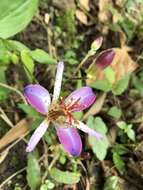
[(99, 147), (33, 171), (65, 177), (28, 64), (43, 57), (115, 112), (15, 16), (118, 162)]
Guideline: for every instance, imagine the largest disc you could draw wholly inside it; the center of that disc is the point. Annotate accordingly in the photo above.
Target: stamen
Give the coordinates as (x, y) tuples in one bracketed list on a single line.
[(74, 105)]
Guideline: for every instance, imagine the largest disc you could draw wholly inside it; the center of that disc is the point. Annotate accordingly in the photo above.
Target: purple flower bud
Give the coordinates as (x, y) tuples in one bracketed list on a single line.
[(105, 58), (70, 139), (38, 97), (80, 99)]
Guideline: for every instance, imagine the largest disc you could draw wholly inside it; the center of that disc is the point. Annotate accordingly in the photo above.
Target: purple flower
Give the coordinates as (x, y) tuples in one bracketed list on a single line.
[(59, 112)]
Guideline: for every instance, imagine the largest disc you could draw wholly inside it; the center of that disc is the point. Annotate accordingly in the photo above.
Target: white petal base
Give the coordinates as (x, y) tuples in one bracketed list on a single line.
[(88, 130), (37, 135)]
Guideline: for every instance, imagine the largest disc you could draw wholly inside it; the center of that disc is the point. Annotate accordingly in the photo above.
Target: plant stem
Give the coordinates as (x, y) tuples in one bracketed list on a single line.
[(15, 90)]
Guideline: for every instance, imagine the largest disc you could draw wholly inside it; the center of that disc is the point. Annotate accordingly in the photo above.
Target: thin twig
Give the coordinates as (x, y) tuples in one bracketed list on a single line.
[(50, 166), (12, 176), (15, 90), (15, 174), (5, 118)]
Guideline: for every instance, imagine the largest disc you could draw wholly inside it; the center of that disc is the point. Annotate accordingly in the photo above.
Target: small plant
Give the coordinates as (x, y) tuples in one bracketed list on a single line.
[(127, 129)]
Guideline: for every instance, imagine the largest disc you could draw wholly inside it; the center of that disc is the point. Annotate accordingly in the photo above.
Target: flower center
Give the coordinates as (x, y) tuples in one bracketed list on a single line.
[(61, 112)]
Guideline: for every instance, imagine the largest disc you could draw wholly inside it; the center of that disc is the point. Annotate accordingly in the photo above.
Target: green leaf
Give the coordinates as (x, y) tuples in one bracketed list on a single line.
[(28, 64), (48, 185), (13, 45), (43, 57), (112, 183), (31, 112), (131, 134), (4, 57), (103, 85), (120, 149), (115, 112), (33, 171), (137, 84), (15, 16), (3, 91), (65, 177), (121, 85), (122, 125), (99, 147), (127, 129), (109, 74), (118, 162)]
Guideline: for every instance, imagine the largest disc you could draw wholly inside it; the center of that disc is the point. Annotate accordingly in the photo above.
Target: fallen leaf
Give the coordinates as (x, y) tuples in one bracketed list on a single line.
[(104, 13), (122, 65), (96, 107), (81, 17), (112, 135), (85, 4), (16, 132)]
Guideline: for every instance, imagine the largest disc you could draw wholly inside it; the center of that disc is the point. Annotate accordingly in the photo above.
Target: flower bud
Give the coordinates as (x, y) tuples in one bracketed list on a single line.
[(96, 44), (105, 58)]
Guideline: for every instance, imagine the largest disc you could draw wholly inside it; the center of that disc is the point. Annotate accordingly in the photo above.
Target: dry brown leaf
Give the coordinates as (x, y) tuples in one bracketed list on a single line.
[(81, 17), (112, 135), (104, 13), (16, 132), (96, 107), (85, 4), (122, 65)]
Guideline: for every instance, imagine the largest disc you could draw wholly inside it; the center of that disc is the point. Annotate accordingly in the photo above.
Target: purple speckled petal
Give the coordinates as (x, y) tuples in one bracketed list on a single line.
[(58, 81), (37, 135), (70, 139), (38, 97), (84, 97), (88, 130)]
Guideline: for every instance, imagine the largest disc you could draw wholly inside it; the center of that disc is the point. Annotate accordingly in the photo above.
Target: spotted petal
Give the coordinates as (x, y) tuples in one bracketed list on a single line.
[(88, 130), (58, 81), (70, 139), (80, 99), (37, 135), (38, 97)]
